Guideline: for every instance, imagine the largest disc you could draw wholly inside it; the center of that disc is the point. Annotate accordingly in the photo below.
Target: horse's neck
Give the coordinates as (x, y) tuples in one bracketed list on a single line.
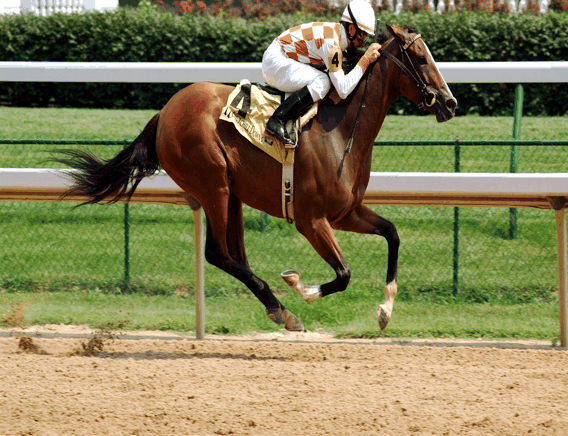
[(381, 92)]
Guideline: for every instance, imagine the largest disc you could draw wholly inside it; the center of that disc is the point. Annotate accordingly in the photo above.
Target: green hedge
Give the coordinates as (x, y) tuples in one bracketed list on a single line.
[(130, 35)]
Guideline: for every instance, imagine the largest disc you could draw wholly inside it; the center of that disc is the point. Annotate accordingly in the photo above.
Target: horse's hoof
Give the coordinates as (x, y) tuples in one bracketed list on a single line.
[(308, 293), (291, 277), (293, 324), (291, 321), (275, 315), (383, 315)]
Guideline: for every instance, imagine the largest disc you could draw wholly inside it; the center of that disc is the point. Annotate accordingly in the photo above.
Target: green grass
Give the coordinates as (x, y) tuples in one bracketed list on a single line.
[(341, 315), (58, 123), (78, 254), (61, 123), (53, 247)]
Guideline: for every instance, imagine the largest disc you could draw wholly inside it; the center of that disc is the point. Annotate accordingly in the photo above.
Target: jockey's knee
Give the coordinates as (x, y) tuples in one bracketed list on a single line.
[(319, 87)]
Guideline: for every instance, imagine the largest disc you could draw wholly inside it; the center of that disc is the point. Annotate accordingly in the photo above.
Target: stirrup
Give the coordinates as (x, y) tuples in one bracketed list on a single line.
[(285, 139), (293, 127)]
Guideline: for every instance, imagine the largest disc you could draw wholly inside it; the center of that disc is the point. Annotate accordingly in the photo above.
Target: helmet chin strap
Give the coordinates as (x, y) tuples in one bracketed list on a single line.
[(354, 22)]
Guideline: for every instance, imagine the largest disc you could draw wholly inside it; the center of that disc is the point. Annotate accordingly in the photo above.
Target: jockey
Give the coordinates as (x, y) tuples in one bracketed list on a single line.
[(291, 62)]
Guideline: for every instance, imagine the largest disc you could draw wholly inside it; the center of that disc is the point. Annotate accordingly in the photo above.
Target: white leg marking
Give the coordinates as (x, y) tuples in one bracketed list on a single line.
[(390, 293), (308, 293), (384, 312)]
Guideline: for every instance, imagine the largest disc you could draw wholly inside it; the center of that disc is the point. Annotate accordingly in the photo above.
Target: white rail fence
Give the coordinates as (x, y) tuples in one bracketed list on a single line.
[(546, 191), (50, 7), (233, 72)]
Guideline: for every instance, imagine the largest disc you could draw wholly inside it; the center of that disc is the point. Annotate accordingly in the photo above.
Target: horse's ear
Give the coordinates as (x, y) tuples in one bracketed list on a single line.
[(397, 32)]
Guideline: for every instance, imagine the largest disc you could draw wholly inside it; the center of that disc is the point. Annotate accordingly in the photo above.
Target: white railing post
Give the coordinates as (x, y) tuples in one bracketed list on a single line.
[(562, 280), (399, 5), (199, 274)]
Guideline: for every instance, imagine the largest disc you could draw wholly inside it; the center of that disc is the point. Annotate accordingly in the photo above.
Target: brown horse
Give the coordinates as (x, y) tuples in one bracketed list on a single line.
[(221, 170)]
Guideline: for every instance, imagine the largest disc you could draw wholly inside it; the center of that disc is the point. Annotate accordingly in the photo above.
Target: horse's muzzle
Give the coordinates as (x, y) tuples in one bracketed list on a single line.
[(446, 105)]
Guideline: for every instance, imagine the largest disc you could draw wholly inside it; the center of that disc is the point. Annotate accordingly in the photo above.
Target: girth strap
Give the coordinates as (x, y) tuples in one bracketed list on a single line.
[(288, 185)]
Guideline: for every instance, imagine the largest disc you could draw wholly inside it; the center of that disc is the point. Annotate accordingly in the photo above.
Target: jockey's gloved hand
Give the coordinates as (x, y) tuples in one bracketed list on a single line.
[(370, 56)]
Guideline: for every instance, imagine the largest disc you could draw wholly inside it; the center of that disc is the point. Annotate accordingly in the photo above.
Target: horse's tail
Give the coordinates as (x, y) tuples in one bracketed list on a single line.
[(111, 180)]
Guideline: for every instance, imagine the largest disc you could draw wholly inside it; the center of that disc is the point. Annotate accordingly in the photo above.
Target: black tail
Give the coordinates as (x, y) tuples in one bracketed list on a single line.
[(118, 177)]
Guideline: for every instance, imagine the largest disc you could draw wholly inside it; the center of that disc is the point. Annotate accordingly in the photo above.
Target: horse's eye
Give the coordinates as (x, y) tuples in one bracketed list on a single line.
[(422, 60)]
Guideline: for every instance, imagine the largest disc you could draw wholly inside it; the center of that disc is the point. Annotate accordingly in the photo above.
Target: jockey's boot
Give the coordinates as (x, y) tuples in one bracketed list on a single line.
[(289, 109)]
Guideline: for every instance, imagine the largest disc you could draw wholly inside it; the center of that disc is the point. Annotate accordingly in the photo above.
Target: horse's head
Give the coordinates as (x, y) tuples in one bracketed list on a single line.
[(420, 79)]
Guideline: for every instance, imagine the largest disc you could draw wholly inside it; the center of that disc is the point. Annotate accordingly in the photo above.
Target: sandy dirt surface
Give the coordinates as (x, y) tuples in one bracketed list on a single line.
[(153, 383)]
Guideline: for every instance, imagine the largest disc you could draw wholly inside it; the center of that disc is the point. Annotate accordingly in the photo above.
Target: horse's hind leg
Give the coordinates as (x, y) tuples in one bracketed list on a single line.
[(225, 249), (200, 168), (364, 220)]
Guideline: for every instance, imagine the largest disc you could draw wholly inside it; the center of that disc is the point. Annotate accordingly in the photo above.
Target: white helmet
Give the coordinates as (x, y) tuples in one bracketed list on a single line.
[(364, 15)]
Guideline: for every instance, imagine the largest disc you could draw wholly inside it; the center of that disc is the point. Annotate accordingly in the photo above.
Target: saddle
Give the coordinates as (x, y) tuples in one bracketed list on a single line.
[(249, 107)]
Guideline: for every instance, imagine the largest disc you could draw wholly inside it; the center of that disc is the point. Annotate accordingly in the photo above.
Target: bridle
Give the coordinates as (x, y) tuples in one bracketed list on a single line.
[(429, 96)]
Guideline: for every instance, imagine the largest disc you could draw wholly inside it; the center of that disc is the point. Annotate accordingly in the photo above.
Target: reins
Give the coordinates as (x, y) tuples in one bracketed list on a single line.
[(429, 97), (370, 69)]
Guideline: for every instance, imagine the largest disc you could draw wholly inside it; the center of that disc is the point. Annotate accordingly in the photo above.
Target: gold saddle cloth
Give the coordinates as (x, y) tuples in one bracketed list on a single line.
[(249, 109)]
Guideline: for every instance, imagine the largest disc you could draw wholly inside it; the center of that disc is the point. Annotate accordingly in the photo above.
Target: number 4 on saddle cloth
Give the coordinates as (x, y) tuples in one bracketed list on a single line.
[(249, 108)]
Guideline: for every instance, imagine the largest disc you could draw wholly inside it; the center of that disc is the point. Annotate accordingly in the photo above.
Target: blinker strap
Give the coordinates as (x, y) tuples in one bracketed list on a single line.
[(401, 65), (419, 82), (414, 76)]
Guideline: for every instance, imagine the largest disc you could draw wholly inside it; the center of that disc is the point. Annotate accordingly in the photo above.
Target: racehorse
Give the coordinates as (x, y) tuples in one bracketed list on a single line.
[(220, 170)]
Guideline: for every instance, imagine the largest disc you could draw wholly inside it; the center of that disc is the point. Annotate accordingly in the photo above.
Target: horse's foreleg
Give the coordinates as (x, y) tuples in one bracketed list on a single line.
[(320, 234), (364, 220)]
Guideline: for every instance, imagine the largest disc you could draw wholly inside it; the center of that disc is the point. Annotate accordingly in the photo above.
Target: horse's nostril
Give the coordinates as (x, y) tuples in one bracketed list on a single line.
[(451, 103)]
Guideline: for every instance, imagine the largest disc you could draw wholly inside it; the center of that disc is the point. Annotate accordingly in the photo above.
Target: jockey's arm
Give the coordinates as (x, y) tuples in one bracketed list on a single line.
[(345, 83)]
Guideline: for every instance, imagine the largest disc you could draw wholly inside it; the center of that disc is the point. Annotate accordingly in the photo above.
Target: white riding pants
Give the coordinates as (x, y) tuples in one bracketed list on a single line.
[(289, 75)]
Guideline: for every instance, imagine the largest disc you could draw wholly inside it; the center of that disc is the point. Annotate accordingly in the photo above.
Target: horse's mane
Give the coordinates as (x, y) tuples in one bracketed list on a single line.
[(352, 57)]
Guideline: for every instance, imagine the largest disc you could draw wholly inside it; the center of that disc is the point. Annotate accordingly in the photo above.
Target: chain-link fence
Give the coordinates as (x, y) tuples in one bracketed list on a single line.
[(149, 248)]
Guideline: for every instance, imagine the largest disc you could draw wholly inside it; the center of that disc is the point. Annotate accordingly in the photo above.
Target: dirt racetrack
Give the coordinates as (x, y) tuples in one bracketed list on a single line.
[(293, 384)]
